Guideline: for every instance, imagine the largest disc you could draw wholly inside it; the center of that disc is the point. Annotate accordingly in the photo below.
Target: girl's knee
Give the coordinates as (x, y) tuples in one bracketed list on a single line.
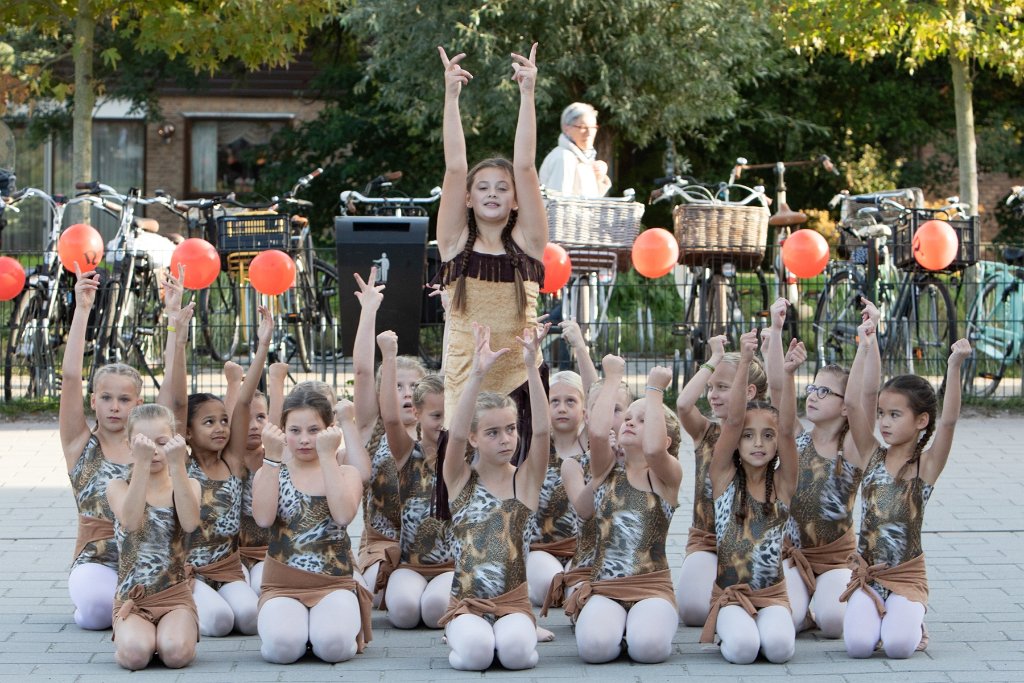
[(403, 611), (133, 656), (830, 619), (334, 649), (215, 620), (859, 645), (650, 648), (282, 648), (95, 613), (432, 608), (178, 654), (519, 652), (900, 646), (740, 648), (472, 644), (597, 645), (778, 646), (693, 610)]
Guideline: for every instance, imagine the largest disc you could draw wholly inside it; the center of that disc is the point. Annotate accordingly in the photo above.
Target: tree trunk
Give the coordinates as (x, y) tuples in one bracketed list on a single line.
[(966, 145), (84, 102)]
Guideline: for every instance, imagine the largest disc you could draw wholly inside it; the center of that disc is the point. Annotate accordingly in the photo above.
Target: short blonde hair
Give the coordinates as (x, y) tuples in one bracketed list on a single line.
[(149, 411), (121, 370)]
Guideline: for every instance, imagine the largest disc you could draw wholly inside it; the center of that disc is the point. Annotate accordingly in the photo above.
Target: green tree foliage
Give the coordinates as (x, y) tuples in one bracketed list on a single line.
[(966, 33)]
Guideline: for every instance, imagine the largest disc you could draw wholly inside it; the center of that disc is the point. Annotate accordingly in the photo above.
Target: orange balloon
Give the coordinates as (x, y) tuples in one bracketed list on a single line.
[(81, 244), (272, 272), (557, 268), (805, 253), (12, 278), (935, 244), (655, 252), (201, 260)]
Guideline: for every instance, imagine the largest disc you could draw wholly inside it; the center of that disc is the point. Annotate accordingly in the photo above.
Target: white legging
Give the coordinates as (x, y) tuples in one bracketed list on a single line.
[(541, 567), (255, 577), (331, 627), (411, 598), (771, 632), (474, 642), (899, 630), (824, 604), (370, 580), (92, 586), (647, 630), (693, 591), (233, 606)]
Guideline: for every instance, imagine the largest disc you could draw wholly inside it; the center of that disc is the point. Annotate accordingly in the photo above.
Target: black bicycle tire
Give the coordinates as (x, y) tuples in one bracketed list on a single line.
[(30, 306), (214, 331), (834, 336), (326, 289), (934, 351), (976, 319)]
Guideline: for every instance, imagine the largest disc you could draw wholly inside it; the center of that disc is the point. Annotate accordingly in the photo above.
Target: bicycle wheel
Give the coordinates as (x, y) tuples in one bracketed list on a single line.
[(29, 370), (218, 317), (722, 310), (920, 331), (836, 318), (321, 314), (992, 338), (144, 330)]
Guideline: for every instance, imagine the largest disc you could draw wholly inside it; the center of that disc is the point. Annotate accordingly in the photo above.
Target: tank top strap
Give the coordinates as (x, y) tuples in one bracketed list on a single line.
[(514, 474), (649, 482)]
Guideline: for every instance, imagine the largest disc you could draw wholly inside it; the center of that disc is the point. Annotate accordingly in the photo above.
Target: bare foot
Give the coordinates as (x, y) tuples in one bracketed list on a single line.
[(544, 635)]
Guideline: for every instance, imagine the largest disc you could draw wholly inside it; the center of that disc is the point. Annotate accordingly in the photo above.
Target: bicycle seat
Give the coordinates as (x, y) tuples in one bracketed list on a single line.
[(147, 224), (873, 231), (1014, 256), (787, 216)]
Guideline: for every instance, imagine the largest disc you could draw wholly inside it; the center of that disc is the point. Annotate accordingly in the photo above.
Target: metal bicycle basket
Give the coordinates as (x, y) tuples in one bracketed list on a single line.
[(253, 233)]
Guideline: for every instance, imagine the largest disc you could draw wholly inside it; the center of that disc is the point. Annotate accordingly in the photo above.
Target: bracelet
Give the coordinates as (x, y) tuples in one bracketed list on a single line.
[(707, 366), (650, 388), (171, 328), (271, 463)]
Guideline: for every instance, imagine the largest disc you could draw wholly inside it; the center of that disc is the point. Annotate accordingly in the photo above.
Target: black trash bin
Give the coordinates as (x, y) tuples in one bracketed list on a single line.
[(397, 246)]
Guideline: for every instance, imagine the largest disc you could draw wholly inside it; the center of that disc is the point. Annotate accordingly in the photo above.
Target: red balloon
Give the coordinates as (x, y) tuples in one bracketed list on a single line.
[(201, 261), (805, 253), (272, 272), (12, 278), (557, 268), (935, 244), (655, 252), (81, 244)]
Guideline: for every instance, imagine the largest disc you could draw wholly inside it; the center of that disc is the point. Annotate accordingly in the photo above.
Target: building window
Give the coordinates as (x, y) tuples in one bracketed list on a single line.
[(226, 155)]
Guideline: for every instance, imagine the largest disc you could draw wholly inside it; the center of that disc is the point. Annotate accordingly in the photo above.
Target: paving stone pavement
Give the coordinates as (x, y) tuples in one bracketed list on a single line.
[(973, 541)]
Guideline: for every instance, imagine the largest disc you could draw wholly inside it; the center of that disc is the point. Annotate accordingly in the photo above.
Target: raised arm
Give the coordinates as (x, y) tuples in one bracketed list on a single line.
[(355, 450), (451, 214), (540, 444), (772, 350), (266, 486), (573, 336), (862, 422), (240, 427), (655, 441), (74, 430), (456, 469), (364, 391), (174, 391), (390, 413), (722, 467), (233, 377), (277, 373), (788, 464), (342, 483), (690, 418), (599, 425), (533, 218), (577, 488), (933, 460), (186, 490), (128, 498)]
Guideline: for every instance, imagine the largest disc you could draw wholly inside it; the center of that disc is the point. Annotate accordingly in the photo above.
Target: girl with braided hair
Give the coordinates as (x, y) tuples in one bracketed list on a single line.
[(753, 477), (888, 593), (820, 535), (491, 232)]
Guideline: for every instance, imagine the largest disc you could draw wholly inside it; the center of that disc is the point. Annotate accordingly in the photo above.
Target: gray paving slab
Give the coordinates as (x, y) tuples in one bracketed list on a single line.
[(974, 541)]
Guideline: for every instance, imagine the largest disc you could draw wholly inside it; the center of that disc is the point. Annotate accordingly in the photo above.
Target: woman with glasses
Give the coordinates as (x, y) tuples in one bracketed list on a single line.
[(572, 167), (820, 536)]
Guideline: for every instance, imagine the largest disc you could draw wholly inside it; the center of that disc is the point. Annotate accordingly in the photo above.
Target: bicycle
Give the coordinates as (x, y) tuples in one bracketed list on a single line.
[(718, 239), (918, 316), (995, 321), (391, 202), (782, 222), (41, 314)]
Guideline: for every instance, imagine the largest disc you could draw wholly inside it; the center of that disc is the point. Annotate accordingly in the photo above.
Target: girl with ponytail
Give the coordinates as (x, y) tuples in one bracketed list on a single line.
[(491, 232), (888, 593), (753, 477)]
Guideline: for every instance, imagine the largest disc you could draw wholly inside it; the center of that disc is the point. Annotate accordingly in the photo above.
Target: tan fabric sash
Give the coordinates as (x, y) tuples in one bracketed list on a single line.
[(282, 581), (154, 607), (699, 540), (907, 579), (560, 583), (516, 601), (224, 570), (812, 562), (623, 589), (565, 547), (253, 553), (375, 548), (90, 530), (741, 594)]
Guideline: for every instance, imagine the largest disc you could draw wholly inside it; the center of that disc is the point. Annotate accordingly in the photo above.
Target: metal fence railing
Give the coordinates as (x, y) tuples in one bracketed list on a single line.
[(646, 321)]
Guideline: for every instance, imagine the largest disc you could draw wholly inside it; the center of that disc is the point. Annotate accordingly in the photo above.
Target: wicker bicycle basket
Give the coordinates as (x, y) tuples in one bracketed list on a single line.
[(574, 221), (717, 232)]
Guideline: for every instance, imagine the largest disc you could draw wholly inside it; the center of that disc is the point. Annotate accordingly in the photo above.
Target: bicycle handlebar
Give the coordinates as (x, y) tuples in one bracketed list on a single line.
[(354, 196)]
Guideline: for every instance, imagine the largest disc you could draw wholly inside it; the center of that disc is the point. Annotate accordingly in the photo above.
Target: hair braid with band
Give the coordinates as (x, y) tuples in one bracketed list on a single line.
[(459, 294), (918, 449), (739, 506), (515, 259)]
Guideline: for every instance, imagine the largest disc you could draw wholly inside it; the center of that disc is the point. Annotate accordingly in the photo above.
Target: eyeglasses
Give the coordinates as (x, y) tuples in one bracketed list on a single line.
[(586, 128), (822, 392)]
